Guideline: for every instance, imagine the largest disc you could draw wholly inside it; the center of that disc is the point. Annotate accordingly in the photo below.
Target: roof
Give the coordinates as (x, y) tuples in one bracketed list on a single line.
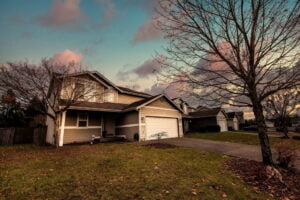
[(107, 106), (103, 80), (126, 90), (116, 107), (205, 113)]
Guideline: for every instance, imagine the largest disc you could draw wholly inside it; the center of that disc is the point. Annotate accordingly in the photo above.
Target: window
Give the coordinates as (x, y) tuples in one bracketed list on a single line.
[(82, 119)]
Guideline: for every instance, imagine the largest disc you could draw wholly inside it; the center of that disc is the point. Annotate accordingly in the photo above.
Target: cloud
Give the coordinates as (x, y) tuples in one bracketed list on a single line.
[(148, 68), (63, 13), (172, 90), (150, 29), (66, 57)]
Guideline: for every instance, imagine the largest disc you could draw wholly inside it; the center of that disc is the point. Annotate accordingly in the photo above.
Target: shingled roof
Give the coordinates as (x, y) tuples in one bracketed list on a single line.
[(205, 113)]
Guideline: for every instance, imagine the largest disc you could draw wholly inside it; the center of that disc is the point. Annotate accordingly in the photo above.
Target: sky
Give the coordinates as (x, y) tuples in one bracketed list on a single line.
[(118, 38)]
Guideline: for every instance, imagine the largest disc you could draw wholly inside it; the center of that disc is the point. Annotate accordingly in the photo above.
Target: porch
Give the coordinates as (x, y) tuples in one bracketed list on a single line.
[(79, 126)]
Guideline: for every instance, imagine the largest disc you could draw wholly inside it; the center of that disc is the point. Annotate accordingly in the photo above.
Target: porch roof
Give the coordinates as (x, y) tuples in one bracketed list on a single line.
[(107, 106)]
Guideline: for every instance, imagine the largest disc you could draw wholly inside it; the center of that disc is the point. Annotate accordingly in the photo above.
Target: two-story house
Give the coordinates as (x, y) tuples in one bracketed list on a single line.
[(115, 111)]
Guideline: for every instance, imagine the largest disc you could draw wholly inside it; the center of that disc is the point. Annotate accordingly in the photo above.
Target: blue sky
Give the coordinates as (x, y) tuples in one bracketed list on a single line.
[(110, 36)]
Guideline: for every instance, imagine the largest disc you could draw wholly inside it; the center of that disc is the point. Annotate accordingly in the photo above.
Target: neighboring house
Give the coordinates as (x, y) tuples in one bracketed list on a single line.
[(232, 121), (186, 109), (200, 118), (207, 118), (117, 112)]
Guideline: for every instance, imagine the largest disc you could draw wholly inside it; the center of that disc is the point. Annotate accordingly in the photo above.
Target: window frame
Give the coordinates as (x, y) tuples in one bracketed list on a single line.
[(87, 119)]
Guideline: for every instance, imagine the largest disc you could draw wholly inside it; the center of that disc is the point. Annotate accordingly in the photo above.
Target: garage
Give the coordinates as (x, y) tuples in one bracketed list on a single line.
[(156, 125)]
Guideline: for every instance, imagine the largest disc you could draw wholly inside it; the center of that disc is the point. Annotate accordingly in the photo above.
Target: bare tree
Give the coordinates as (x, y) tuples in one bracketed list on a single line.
[(239, 51), (53, 85), (282, 106)]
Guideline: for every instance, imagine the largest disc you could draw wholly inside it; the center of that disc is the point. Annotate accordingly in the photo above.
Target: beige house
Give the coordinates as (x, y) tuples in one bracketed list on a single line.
[(117, 111)]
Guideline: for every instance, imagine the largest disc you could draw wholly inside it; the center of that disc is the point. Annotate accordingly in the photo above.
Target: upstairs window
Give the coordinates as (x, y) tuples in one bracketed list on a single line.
[(82, 119)]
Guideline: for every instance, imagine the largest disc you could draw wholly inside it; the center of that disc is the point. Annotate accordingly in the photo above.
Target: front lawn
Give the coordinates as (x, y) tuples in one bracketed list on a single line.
[(240, 137), (117, 171)]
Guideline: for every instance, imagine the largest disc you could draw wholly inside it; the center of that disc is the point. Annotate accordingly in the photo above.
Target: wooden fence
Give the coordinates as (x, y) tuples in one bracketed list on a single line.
[(27, 135)]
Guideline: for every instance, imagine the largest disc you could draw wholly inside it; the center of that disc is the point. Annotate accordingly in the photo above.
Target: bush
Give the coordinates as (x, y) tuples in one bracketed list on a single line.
[(136, 137), (286, 156), (251, 128), (296, 137), (215, 128)]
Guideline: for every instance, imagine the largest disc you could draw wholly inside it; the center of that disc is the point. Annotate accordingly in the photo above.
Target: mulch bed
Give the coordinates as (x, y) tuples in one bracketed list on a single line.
[(161, 145), (254, 173)]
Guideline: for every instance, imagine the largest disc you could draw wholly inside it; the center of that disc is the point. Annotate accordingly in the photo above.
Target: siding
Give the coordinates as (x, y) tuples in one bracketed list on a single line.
[(128, 131), (163, 103), (80, 135), (128, 99), (94, 118), (128, 118)]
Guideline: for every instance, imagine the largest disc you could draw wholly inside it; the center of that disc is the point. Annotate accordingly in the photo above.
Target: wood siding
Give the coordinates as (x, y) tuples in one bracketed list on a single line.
[(128, 118), (163, 103), (128, 99), (80, 135), (128, 131)]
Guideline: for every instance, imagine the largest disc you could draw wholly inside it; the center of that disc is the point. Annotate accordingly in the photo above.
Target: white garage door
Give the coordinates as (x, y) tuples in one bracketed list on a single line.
[(223, 125), (154, 125)]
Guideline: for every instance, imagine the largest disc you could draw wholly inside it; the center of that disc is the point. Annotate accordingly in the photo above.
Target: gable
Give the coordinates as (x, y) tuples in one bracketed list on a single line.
[(128, 99), (163, 103)]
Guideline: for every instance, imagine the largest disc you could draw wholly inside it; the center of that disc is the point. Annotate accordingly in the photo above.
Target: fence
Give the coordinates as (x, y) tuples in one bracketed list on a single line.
[(10, 136)]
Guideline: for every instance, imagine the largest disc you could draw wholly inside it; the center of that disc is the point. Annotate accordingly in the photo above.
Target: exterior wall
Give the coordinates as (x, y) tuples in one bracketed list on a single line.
[(128, 125), (128, 118), (162, 102), (129, 132), (199, 123), (97, 96), (110, 123), (128, 99), (144, 112), (80, 135), (222, 121)]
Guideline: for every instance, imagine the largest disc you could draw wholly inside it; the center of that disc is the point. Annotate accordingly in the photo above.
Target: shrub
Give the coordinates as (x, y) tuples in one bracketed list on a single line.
[(251, 128), (286, 156), (296, 137), (215, 128), (136, 137)]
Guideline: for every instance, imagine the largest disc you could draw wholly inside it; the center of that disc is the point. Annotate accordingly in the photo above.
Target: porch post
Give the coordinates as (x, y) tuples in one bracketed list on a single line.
[(62, 129)]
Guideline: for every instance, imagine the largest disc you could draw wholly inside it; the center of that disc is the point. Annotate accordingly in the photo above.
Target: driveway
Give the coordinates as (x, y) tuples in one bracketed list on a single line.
[(251, 152)]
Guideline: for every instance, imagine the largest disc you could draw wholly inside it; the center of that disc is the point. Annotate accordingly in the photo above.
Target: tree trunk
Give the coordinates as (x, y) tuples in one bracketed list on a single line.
[(56, 131), (285, 130), (262, 132)]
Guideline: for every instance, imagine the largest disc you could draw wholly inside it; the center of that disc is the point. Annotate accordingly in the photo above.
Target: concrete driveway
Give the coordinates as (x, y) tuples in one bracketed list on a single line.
[(251, 152)]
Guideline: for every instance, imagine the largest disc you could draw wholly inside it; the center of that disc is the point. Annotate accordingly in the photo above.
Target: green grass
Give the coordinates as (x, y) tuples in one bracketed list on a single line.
[(239, 137), (117, 171)]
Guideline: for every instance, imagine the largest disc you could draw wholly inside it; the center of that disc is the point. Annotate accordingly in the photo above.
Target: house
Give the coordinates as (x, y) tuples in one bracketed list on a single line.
[(117, 111), (183, 105), (232, 121), (201, 118), (208, 118), (186, 109)]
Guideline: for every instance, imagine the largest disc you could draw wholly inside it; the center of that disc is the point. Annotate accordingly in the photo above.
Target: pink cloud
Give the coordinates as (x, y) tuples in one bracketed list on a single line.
[(66, 57), (173, 90), (63, 13), (150, 29)]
